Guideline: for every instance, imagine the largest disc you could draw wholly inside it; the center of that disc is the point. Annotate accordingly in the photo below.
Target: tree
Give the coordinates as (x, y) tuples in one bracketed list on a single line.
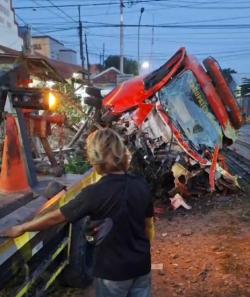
[(245, 87), (130, 65), (227, 73), (70, 103)]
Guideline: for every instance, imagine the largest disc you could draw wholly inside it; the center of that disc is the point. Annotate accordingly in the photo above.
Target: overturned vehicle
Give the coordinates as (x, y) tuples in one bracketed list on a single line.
[(176, 121)]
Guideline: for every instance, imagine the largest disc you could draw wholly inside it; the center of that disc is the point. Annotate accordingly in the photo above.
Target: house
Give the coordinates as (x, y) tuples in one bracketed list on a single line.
[(39, 66), (52, 48), (95, 69), (106, 79)]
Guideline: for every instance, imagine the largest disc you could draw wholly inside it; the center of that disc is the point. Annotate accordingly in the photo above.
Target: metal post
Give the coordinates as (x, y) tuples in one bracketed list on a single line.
[(48, 151), (121, 35), (103, 53), (30, 166), (138, 40), (80, 37), (152, 48), (87, 55)]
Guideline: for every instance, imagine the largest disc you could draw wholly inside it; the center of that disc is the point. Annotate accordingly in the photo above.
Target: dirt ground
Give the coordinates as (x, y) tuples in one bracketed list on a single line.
[(201, 252)]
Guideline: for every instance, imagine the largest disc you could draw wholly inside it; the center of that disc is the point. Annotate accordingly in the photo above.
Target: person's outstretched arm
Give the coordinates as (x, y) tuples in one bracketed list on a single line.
[(72, 211), (44, 222)]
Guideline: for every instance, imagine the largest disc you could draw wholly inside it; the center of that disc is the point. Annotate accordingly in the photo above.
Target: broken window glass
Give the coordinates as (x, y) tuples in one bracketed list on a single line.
[(186, 105)]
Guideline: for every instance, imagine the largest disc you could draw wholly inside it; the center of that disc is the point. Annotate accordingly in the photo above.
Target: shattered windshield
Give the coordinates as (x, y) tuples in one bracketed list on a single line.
[(187, 107)]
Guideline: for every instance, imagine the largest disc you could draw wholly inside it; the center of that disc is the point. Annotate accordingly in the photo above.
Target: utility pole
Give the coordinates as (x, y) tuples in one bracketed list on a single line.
[(121, 35), (80, 37), (138, 40), (152, 46), (87, 54), (103, 53)]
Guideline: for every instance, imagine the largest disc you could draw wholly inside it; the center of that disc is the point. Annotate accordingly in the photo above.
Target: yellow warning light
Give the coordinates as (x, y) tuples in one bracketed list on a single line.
[(53, 100)]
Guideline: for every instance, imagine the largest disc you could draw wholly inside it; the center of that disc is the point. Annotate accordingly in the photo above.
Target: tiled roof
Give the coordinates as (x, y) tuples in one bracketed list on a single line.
[(6, 50), (64, 70)]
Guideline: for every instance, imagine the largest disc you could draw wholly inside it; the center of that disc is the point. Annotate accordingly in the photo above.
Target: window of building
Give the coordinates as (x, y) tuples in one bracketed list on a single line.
[(37, 46)]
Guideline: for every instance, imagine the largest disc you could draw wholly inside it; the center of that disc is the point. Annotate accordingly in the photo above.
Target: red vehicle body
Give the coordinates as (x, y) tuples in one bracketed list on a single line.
[(134, 94), (194, 103)]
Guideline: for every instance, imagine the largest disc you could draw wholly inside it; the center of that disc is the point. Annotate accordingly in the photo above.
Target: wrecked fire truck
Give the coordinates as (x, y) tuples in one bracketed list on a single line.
[(176, 121)]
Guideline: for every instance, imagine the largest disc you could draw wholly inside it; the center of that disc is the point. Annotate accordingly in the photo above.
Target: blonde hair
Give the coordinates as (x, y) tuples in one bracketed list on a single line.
[(107, 152)]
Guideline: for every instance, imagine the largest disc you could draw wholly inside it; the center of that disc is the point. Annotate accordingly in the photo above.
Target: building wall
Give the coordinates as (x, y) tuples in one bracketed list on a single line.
[(55, 48), (8, 28), (41, 46), (108, 77), (47, 47), (68, 56)]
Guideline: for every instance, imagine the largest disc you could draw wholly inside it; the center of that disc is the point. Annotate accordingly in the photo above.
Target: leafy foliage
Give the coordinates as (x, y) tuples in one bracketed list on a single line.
[(76, 165), (70, 103), (245, 87), (227, 73), (130, 65)]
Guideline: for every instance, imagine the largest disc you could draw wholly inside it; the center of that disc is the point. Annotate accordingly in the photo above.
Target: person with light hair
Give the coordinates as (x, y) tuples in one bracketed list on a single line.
[(122, 205)]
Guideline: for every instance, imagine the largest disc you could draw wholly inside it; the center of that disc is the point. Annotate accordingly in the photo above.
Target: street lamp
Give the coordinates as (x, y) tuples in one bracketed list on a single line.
[(121, 36), (138, 39), (144, 69), (145, 65)]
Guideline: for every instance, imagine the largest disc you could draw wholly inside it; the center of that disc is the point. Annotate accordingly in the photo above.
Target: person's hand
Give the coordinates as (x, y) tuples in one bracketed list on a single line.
[(12, 232)]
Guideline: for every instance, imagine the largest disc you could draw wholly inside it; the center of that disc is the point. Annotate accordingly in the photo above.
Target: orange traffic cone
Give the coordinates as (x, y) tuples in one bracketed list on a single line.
[(13, 176)]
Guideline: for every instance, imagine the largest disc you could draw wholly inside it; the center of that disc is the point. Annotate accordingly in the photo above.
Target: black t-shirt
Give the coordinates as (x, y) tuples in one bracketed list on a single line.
[(126, 199)]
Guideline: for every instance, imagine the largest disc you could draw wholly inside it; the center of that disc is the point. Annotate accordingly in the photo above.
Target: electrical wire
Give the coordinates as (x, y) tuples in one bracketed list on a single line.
[(62, 11), (48, 9), (145, 1), (224, 30)]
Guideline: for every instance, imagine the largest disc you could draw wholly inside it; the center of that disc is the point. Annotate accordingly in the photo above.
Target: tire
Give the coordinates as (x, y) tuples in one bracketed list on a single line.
[(79, 272)]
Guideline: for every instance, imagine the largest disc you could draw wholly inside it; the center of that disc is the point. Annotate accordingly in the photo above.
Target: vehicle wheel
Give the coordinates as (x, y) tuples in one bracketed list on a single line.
[(79, 272)]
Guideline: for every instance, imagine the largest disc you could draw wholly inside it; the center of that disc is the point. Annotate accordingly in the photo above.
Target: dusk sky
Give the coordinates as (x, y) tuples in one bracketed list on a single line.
[(217, 28)]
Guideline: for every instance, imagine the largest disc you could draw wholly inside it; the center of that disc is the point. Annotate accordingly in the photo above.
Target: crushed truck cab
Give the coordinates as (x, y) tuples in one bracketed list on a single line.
[(182, 107)]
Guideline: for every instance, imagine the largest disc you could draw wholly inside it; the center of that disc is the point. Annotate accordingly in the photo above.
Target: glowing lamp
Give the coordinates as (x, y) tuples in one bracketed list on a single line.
[(52, 101), (31, 98)]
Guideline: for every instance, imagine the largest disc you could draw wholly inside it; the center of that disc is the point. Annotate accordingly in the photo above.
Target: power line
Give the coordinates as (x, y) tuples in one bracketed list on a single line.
[(139, 1), (90, 4), (213, 20), (48, 9), (198, 5), (231, 27), (21, 19), (204, 26), (194, 22), (25, 23), (170, 25), (199, 27), (62, 11)]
